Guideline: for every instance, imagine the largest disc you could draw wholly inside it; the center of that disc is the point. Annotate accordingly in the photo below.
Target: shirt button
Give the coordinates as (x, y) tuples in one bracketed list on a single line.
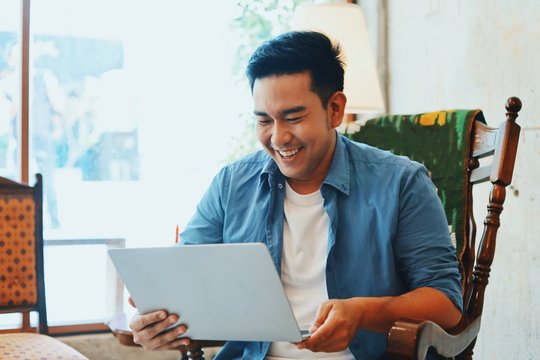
[(280, 186)]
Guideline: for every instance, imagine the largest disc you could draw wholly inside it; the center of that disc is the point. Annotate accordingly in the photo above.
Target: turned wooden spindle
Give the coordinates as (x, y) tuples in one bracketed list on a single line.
[(194, 351), (500, 177), (469, 254)]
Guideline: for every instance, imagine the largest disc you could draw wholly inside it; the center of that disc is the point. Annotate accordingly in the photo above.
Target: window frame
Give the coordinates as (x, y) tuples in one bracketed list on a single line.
[(70, 329)]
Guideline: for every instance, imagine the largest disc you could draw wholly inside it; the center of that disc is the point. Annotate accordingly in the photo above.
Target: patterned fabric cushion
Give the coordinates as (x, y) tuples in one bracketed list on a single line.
[(17, 251), (439, 140), (26, 346)]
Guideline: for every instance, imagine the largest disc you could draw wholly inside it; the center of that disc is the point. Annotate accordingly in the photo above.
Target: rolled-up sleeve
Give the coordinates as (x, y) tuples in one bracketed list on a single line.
[(424, 252)]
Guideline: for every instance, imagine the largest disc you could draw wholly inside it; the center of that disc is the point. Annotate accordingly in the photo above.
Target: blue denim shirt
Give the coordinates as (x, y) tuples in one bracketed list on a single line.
[(388, 233)]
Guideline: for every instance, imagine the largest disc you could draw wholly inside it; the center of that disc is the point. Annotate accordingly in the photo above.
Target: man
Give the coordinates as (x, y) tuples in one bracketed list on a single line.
[(358, 235)]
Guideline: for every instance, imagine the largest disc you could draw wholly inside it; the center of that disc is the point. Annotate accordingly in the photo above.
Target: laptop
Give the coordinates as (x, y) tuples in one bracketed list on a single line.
[(220, 291)]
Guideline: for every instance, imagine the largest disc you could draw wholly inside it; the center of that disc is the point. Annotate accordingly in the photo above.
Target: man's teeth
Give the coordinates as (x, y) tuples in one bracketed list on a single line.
[(288, 153)]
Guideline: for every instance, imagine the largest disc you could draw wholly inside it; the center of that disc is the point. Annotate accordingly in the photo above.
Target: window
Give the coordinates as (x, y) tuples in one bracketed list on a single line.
[(10, 89), (134, 106)]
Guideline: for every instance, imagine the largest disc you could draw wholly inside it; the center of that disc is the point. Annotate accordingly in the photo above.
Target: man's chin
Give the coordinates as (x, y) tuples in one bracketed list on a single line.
[(289, 173)]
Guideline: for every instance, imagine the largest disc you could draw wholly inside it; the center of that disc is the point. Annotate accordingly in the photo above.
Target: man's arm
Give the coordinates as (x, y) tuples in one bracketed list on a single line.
[(426, 261), (337, 321)]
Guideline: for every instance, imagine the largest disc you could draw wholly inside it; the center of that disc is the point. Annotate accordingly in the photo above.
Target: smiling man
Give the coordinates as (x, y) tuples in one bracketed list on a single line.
[(358, 235), (295, 129)]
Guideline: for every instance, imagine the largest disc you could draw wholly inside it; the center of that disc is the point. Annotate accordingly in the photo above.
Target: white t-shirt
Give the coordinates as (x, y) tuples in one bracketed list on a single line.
[(303, 268)]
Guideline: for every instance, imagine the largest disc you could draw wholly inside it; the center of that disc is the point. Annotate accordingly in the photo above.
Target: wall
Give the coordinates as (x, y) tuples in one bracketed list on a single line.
[(476, 54)]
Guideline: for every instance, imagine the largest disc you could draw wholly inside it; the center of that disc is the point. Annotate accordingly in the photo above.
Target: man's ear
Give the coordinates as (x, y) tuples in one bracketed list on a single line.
[(336, 108)]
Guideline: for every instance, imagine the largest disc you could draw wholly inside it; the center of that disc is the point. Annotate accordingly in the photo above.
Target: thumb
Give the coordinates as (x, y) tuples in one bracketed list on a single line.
[(131, 302), (320, 318)]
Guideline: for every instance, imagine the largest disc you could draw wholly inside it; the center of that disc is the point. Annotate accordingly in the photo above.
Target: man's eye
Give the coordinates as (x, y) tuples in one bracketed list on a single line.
[(264, 121), (294, 119)]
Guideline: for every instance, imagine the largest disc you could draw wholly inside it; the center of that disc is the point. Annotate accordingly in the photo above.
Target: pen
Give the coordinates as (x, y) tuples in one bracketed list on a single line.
[(176, 236)]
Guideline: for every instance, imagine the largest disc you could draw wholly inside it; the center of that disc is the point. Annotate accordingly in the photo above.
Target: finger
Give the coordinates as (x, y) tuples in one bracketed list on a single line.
[(139, 322), (332, 336), (320, 319), (131, 302), (175, 344), (318, 341), (170, 340), (157, 329), (322, 314), (323, 334)]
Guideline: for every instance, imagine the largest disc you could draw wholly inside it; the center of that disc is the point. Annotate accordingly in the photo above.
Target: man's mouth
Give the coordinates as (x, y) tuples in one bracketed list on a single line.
[(287, 154)]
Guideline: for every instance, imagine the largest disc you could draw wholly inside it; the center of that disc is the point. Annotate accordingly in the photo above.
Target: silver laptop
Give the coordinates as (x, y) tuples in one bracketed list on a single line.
[(221, 291)]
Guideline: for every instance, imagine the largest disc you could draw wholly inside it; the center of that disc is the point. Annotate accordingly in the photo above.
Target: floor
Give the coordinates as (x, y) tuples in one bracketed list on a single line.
[(106, 347)]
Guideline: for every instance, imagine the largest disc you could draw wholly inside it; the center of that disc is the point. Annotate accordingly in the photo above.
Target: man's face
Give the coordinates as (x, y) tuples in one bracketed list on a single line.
[(295, 129)]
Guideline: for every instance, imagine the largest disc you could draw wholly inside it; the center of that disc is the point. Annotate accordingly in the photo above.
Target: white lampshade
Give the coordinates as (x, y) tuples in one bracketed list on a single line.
[(344, 23)]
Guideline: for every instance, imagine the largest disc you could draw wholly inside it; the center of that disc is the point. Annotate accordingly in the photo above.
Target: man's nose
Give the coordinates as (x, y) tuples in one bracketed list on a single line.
[(281, 134)]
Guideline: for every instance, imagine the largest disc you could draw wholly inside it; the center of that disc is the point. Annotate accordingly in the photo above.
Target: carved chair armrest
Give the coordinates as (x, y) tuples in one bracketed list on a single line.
[(411, 339)]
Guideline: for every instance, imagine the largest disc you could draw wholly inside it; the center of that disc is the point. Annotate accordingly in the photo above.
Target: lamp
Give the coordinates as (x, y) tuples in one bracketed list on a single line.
[(344, 23)]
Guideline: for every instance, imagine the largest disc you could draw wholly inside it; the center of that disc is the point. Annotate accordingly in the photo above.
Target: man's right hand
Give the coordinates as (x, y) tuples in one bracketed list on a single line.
[(148, 330)]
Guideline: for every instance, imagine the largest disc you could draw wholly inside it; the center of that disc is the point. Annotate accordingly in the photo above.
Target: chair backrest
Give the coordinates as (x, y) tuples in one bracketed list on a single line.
[(22, 287), (451, 144)]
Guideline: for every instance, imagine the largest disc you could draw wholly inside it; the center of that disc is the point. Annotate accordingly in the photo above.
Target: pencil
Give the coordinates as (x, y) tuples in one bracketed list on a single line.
[(176, 239)]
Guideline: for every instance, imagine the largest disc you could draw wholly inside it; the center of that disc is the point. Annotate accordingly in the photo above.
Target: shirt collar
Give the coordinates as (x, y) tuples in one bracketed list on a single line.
[(339, 173), (338, 176), (268, 172)]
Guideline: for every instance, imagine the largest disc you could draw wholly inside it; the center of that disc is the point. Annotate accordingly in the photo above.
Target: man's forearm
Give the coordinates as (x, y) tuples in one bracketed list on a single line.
[(379, 314)]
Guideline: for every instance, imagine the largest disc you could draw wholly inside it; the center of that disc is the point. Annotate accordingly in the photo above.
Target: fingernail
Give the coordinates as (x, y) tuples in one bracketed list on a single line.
[(162, 315), (185, 342), (180, 331), (172, 320)]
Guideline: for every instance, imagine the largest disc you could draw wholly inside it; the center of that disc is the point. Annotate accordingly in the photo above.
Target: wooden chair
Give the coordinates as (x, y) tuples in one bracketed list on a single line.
[(22, 285), (455, 169), (413, 338)]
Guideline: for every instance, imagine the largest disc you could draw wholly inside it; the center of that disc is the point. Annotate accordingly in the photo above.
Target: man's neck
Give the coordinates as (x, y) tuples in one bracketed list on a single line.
[(305, 187)]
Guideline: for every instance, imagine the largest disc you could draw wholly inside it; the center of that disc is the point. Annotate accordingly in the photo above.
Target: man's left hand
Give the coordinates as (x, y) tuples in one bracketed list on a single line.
[(335, 325)]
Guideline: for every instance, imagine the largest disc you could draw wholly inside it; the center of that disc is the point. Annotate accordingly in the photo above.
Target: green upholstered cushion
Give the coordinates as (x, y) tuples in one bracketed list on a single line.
[(439, 140)]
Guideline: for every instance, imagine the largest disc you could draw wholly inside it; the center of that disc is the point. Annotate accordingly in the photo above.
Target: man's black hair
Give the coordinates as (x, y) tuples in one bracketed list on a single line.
[(297, 52)]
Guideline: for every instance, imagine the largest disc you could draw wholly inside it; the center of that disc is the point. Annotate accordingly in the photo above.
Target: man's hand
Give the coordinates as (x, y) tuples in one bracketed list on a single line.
[(148, 330), (335, 325), (337, 321)]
